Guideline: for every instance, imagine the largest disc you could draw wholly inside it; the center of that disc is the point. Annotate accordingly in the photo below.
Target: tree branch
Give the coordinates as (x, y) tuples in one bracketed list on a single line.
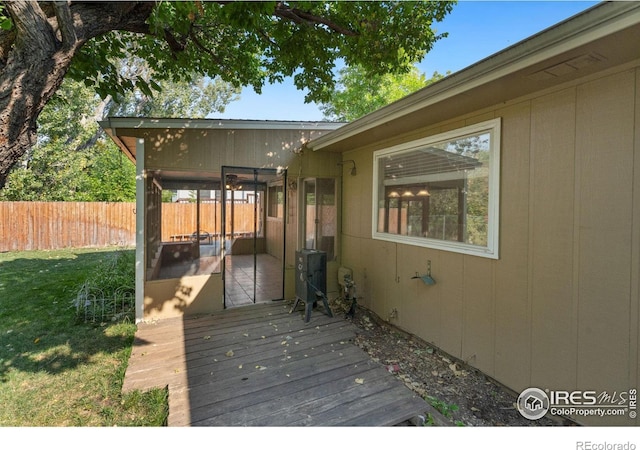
[(92, 19), (65, 25), (202, 47), (303, 17), (263, 34), (174, 44)]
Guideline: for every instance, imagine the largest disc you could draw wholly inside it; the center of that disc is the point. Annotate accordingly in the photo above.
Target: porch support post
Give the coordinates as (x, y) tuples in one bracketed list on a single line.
[(141, 208)]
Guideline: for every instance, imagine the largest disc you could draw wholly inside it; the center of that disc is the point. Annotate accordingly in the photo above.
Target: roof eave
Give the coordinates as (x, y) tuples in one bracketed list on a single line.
[(599, 21), (208, 124), (106, 126)]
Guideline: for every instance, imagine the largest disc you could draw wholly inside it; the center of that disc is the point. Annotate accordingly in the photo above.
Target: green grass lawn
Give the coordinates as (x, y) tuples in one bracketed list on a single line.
[(55, 368)]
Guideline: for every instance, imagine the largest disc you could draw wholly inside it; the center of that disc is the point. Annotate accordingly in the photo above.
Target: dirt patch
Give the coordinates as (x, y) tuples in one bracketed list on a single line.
[(465, 396)]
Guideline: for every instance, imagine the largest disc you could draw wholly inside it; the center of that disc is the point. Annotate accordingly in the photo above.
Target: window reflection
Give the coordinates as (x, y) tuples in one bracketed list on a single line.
[(437, 191)]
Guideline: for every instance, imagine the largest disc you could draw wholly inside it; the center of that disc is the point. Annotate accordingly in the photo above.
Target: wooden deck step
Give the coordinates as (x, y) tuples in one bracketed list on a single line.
[(263, 366)]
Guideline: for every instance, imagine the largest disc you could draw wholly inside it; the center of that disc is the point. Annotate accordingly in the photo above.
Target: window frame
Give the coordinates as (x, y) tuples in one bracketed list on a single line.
[(278, 188), (332, 253), (491, 250)]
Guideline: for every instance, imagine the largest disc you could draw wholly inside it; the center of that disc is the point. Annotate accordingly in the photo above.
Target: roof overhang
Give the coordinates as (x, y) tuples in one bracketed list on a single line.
[(603, 36), (126, 130)]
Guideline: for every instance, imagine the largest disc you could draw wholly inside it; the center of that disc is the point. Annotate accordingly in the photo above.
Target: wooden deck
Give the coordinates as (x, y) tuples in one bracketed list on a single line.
[(261, 366)]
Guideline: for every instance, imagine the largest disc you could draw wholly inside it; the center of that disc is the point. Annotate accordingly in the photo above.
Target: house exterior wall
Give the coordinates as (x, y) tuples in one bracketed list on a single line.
[(560, 308), (210, 149), (186, 296), (308, 165)]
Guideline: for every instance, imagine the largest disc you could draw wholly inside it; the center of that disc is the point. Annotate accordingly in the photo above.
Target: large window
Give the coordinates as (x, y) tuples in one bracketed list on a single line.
[(441, 192)]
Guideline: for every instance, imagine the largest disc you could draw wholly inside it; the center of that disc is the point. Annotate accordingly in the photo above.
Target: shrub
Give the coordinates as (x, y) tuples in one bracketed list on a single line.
[(108, 293)]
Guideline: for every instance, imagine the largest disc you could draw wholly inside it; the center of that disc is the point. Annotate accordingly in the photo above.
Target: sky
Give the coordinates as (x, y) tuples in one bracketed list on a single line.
[(476, 29)]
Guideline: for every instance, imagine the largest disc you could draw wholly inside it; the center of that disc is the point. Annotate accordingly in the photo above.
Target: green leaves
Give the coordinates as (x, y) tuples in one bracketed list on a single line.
[(250, 43), (359, 93), (5, 21), (130, 47), (94, 65)]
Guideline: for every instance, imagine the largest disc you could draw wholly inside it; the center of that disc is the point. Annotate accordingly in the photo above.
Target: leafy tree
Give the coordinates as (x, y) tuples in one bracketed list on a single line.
[(72, 160), (245, 43), (357, 93), (196, 98), (111, 176)]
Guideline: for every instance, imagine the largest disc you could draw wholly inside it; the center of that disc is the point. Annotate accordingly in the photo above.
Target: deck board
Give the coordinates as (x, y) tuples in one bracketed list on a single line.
[(264, 366)]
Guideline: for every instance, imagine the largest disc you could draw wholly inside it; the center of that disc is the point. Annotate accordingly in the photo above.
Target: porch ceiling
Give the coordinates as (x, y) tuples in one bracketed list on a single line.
[(243, 178), (170, 179)]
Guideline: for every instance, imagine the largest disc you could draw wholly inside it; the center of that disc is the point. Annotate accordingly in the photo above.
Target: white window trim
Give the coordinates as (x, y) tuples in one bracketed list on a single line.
[(491, 249)]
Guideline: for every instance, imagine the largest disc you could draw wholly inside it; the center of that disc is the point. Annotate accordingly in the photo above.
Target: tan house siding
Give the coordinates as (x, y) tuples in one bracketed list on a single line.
[(559, 309), (604, 188), (554, 320), (511, 278), (207, 149)]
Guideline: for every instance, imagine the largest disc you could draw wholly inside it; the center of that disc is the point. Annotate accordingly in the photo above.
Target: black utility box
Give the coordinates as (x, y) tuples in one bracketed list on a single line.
[(311, 274), (311, 281)]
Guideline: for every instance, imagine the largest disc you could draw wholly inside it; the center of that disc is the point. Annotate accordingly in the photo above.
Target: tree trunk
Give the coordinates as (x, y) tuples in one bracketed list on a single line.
[(38, 53), (34, 69)]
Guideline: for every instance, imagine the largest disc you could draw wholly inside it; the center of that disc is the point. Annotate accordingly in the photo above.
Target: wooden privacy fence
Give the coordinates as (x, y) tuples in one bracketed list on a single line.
[(181, 218), (53, 225)]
